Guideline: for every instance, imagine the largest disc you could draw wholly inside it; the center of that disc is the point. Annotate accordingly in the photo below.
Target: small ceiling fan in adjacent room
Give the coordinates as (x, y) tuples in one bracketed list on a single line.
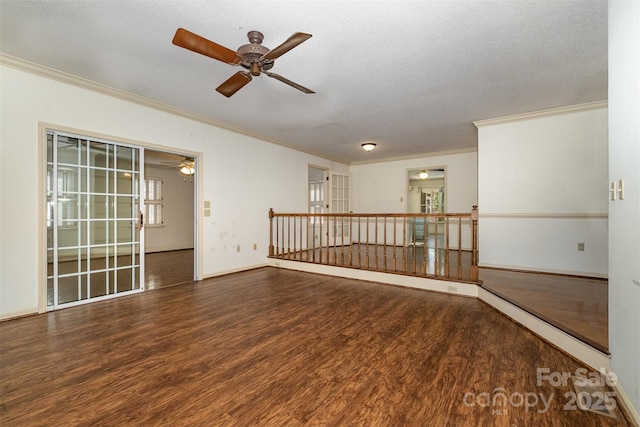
[(253, 56)]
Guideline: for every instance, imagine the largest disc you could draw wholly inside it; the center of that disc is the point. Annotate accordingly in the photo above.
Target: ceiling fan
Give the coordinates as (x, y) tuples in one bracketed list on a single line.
[(253, 56)]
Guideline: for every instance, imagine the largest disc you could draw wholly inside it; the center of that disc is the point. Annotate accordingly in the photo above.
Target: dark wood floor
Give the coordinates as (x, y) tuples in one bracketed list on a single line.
[(274, 347), (576, 305), (168, 268)]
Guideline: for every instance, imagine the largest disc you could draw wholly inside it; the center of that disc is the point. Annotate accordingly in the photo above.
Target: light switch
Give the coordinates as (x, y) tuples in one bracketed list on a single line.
[(621, 189), (612, 190), (207, 204)]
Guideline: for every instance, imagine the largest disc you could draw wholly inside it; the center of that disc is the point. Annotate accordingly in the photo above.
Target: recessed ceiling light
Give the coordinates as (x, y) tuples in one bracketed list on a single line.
[(368, 146)]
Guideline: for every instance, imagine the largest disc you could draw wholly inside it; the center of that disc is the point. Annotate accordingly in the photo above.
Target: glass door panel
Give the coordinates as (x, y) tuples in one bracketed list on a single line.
[(339, 196), (93, 240)]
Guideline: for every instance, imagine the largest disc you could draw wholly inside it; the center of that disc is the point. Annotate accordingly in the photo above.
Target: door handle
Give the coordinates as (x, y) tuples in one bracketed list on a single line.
[(140, 220)]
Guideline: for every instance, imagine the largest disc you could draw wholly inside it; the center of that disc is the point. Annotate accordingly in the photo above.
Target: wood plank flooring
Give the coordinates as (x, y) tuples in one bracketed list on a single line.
[(577, 305), (274, 347), (168, 268)]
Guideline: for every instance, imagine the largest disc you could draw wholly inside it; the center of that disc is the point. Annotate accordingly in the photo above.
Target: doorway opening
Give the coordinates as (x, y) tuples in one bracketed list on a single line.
[(169, 231), (426, 193)]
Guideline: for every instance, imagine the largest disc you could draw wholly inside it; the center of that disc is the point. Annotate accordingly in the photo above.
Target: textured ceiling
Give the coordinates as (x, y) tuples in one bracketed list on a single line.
[(411, 76)]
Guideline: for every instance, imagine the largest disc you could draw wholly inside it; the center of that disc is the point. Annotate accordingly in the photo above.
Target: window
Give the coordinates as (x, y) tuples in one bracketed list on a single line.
[(153, 202)]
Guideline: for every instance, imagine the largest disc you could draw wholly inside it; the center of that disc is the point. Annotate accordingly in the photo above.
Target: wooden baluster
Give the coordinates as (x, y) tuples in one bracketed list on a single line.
[(342, 246), (404, 244), (446, 253), (283, 251), (459, 248), (394, 242), (335, 231), (295, 236), (271, 214), (366, 257), (301, 243), (437, 264), (424, 246), (277, 236), (384, 254), (375, 242), (350, 241), (475, 215), (329, 239), (320, 241), (288, 237), (359, 242), (413, 257), (315, 245), (311, 243)]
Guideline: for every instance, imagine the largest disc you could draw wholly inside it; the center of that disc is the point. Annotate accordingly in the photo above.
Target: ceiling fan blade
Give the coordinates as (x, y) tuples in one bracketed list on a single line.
[(289, 82), (234, 83), (285, 47), (198, 44)]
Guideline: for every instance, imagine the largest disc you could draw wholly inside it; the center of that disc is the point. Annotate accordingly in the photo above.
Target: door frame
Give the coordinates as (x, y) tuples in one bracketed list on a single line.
[(43, 127)]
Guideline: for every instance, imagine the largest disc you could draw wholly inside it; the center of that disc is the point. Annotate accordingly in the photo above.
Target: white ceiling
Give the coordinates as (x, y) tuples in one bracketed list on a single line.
[(411, 76)]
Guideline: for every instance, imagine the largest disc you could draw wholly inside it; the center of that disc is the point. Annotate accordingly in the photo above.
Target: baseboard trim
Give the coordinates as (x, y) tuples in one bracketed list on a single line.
[(235, 270), (18, 314), (424, 283), (625, 403)]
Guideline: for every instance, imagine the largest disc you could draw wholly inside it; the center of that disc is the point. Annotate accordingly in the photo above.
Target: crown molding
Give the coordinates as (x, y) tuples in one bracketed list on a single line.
[(70, 79), (543, 113), (417, 156)]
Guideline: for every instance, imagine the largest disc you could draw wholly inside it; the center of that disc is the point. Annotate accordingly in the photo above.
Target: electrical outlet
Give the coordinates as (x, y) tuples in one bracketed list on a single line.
[(452, 289), (581, 246), (238, 248), (255, 246)]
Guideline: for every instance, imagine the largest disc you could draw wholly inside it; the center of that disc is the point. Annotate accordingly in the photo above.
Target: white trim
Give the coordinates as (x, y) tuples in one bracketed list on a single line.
[(17, 314), (542, 113), (463, 289), (623, 400), (417, 156), (235, 270)]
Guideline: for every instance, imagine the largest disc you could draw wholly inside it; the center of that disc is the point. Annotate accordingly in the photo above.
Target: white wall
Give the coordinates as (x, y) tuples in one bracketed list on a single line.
[(542, 182), (382, 187), (624, 215), (242, 177), (176, 232)]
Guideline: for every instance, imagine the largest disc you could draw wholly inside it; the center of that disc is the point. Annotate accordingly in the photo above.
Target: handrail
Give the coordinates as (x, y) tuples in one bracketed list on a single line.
[(430, 242)]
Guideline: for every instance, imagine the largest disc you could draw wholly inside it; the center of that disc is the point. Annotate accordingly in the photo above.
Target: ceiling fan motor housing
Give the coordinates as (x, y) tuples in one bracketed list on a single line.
[(253, 51)]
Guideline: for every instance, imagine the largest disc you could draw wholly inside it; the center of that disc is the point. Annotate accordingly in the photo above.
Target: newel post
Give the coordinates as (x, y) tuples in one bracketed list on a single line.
[(271, 215), (475, 215)]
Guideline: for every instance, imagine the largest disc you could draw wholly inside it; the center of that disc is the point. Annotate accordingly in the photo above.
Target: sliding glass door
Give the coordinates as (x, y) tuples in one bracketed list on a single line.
[(94, 239)]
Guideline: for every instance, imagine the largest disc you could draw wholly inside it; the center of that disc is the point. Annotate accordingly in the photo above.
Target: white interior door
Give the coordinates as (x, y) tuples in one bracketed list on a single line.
[(339, 201)]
